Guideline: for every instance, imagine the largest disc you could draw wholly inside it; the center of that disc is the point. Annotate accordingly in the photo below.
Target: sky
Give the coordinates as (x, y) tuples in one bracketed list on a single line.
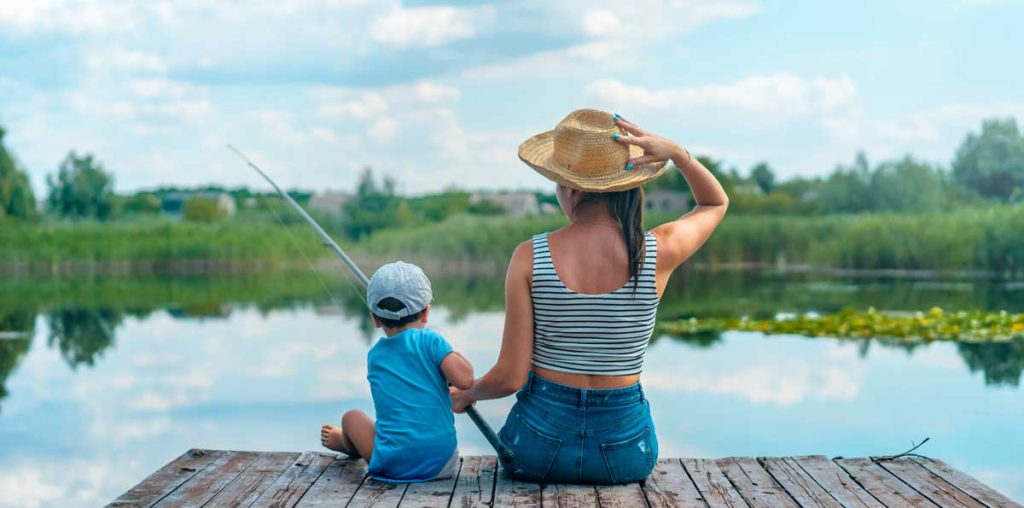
[(441, 94)]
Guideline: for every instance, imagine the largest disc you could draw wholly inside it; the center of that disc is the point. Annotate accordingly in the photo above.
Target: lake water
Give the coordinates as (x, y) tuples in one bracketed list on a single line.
[(115, 378)]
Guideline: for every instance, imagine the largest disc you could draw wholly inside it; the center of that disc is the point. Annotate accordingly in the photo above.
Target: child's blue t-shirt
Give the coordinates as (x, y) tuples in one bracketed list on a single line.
[(415, 429)]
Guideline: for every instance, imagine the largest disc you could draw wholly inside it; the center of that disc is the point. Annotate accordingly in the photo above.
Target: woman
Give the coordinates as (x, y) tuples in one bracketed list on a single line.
[(581, 302)]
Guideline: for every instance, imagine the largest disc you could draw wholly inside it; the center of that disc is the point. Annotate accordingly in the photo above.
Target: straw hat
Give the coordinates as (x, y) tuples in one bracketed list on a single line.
[(581, 154)]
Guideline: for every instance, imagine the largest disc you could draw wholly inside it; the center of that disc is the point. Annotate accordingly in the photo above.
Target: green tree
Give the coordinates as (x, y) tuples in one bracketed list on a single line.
[(764, 177), (992, 163), (375, 206), (438, 207), (486, 207), (16, 198), (141, 203), (81, 189), (907, 185), (848, 189), (200, 209)]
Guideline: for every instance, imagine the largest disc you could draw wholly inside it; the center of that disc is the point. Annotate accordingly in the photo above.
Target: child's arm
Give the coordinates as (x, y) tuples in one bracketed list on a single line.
[(457, 370)]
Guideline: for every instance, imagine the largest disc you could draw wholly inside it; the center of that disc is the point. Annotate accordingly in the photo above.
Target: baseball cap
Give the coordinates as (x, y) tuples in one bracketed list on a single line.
[(402, 281)]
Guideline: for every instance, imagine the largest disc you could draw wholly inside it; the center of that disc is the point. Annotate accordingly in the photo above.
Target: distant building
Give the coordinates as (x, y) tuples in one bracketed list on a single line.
[(519, 204), (174, 202), (666, 201), (332, 203)]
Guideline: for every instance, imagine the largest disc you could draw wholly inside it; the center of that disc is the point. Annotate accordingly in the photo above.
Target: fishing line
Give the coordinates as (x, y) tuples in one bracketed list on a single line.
[(506, 454), (316, 272)]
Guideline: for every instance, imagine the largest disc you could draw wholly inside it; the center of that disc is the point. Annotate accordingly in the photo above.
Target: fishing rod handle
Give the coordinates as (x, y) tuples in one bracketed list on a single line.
[(506, 454)]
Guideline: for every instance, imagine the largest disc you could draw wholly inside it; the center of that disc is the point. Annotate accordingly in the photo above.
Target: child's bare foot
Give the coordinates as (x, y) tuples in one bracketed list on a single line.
[(332, 438)]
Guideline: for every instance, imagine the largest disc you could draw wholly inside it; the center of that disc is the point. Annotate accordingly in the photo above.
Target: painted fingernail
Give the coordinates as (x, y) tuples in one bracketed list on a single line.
[(629, 166), (616, 117), (616, 136)]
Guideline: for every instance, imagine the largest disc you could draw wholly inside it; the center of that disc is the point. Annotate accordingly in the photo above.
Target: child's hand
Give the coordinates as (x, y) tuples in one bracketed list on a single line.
[(460, 399)]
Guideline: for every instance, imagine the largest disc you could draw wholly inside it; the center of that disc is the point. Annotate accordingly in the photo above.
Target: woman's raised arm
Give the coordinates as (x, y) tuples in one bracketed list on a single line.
[(513, 365), (679, 239)]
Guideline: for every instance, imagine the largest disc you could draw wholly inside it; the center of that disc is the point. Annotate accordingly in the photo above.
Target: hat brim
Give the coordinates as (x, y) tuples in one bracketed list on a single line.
[(538, 153)]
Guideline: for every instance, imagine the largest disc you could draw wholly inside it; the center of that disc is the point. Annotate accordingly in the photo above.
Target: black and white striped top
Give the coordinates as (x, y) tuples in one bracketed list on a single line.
[(603, 334)]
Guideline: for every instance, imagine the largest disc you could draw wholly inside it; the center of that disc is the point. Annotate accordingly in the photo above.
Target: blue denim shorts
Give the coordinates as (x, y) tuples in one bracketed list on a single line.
[(563, 434)]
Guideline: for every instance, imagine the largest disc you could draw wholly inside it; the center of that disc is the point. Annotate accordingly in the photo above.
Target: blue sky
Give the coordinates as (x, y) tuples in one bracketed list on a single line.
[(441, 94)]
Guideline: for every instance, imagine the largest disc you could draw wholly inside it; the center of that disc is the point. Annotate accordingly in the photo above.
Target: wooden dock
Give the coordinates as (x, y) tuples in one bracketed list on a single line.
[(315, 479)]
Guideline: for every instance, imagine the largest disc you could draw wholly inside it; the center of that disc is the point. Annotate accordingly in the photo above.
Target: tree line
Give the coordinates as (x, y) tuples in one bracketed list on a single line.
[(987, 167)]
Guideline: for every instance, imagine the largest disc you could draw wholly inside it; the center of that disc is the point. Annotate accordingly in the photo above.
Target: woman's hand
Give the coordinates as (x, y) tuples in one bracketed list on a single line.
[(460, 399), (656, 148)]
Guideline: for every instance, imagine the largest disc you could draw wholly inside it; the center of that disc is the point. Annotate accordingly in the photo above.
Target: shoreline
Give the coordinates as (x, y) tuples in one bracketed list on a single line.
[(23, 270)]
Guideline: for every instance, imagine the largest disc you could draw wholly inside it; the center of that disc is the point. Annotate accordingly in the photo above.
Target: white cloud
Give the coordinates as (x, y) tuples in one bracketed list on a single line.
[(341, 103), (575, 60), (74, 16), (618, 36), (793, 384), (28, 488), (383, 129), (775, 96), (645, 20), (119, 59), (428, 91), (430, 26), (601, 22), (991, 3), (156, 88)]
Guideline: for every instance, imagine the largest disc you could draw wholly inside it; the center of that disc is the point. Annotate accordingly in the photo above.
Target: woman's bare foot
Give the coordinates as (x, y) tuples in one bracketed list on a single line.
[(332, 438)]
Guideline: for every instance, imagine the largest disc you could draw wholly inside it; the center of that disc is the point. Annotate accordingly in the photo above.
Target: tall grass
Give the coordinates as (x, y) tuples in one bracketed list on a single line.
[(983, 239), (151, 240)]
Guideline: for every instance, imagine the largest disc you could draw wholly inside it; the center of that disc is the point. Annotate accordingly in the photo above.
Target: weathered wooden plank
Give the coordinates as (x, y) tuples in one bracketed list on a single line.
[(514, 493), (378, 494), (207, 483), (167, 478), (836, 482), (669, 486), (247, 487), (475, 485), (797, 482), (929, 484), (286, 491), (713, 485), (882, 484), (227, 478), (754, 483), (336, 486), (569, 496), (621, 496), (968, 484), (429, 494)]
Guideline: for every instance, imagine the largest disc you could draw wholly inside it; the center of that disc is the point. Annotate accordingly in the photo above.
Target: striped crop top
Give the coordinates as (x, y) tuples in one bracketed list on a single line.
[(602, 334)]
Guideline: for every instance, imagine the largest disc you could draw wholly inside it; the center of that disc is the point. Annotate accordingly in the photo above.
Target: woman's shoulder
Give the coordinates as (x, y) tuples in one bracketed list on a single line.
[(523, 252)]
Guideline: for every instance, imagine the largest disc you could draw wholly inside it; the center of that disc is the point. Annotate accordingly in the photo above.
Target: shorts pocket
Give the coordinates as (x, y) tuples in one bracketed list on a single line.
[(630, 460), (535, 450)]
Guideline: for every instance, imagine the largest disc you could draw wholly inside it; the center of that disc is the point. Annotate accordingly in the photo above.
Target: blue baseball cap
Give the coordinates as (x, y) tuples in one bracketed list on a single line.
[(402, 281)]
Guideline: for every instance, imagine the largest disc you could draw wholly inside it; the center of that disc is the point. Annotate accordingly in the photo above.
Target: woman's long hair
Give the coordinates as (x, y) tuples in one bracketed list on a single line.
[(628, 208)]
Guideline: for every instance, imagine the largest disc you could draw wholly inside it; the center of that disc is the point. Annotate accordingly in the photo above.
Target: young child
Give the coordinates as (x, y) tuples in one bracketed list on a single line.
[(409, 371)]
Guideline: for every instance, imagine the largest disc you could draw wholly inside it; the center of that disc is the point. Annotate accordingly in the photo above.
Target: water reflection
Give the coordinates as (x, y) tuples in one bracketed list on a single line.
[(1001, 362), (20, 325), (82, 317), (146, 368), (81, 335)]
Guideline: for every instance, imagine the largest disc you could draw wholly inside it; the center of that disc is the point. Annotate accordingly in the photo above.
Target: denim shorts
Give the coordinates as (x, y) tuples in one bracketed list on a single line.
[(563, 434)]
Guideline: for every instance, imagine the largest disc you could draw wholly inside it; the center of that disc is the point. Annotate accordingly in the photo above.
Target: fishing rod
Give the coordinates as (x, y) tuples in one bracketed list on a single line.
[(506, 454)]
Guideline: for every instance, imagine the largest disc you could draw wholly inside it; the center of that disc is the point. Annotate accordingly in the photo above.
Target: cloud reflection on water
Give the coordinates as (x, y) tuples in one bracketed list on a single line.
[(263, 379)]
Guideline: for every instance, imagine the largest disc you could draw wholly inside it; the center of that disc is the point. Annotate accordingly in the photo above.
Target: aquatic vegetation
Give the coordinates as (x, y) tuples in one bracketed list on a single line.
[(935, 324)]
